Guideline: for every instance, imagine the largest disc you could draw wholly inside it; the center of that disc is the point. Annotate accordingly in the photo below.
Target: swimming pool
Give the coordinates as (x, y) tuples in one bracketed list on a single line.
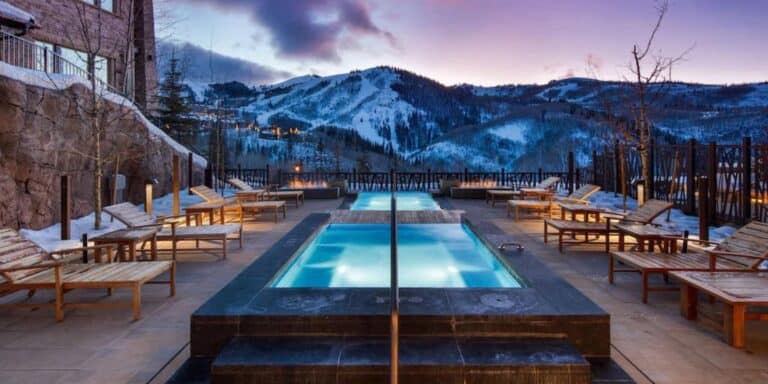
[(429, 255), (406, 201)]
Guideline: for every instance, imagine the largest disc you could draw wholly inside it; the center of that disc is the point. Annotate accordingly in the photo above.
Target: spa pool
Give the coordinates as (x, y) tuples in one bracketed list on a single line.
[(406, 201), (429, 255)]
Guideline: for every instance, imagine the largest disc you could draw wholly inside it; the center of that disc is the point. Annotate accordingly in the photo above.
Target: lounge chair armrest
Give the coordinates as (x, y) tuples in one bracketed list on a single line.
[(80, 249), (46, 264)]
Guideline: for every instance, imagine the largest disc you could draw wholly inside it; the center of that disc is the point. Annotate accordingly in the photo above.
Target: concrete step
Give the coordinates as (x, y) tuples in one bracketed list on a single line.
[(320, 360)]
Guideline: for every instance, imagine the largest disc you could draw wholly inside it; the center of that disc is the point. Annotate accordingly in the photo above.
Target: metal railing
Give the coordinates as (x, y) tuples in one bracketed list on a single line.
[(23, 53)]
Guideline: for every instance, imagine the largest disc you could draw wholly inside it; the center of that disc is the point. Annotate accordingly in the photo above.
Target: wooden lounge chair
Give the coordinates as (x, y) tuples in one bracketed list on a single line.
[(248, 201), (133, 217), (297, 197), (645, 214), (539, 206), (506, 194), (745, 249), (26, 267), (738, 291), (579, 196)]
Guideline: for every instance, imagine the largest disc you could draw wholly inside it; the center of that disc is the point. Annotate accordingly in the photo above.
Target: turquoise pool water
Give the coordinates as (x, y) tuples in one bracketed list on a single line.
[(429, 255), (406, 201)]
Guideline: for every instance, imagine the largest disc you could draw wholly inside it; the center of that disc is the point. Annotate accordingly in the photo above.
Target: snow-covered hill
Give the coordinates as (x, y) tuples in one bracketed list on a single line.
[(421, 120)]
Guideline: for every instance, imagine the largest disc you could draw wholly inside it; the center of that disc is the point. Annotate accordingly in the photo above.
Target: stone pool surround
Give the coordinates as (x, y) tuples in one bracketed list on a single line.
[(547, 307)]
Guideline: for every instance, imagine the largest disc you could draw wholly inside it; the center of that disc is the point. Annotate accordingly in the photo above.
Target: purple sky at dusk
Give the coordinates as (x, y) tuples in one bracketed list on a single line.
[(485, 42)]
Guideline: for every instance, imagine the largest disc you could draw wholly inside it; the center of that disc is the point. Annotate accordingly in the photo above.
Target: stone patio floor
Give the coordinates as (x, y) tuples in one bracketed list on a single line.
[(651, 342)]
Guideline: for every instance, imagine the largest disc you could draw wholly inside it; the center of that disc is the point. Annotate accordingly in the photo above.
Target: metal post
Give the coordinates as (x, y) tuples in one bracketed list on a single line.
[(66, 208), (746, 180), (703, 208), (466, 175), (190, 174), (503, 178), (691, 178), (176, 174), (266, 176), (570, 177), (394, 299)]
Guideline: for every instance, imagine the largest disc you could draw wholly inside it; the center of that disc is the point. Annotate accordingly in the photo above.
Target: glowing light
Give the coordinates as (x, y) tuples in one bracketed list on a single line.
[(479, 184)]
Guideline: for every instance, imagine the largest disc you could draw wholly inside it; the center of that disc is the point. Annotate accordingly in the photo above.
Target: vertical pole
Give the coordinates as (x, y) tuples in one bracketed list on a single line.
[(266, 176), (503, 177), (429, 179), (190, 173), (394, 299), (148, 197), (353, 184), (616, 167), (578, 178), (239, 171), (208, 176), (650, 184), (84, 242), (570, 177), (691, 178), (279, 177), (176, 184), (703, 208), (594, 167), (66, 208), (712, 177), (746, 180), (540, 176), (466, 175)]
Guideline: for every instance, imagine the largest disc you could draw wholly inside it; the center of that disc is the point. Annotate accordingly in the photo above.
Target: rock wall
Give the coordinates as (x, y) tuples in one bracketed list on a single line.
[(44, 135)]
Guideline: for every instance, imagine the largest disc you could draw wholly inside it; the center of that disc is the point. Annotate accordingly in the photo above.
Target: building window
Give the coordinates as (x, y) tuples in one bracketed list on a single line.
[(101, 68), (107, 5), (44, 57)]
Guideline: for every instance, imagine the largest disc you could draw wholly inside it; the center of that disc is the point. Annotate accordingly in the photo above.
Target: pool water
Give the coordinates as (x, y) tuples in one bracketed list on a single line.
[(406, 201), (429, 255)]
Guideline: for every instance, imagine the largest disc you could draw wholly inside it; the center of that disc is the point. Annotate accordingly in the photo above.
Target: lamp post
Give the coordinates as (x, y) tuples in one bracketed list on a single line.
[(394, 299)]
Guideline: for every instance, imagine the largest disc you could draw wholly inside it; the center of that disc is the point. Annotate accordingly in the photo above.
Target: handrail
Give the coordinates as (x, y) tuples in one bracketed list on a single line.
[(24, 53), (394, 300)]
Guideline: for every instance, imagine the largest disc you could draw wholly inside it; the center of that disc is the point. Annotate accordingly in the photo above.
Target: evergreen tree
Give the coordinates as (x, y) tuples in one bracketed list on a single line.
[(173, 105)]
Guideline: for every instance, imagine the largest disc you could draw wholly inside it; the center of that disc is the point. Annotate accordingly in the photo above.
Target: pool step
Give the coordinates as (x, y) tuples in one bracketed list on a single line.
[(320, 360)]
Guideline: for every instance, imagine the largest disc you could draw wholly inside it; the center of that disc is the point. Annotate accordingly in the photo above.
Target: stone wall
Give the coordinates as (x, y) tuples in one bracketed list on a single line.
[(43, 136)]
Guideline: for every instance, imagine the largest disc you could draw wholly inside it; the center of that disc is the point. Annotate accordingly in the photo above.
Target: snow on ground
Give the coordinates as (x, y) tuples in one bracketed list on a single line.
[(60, 81), (514, 130), (50, 238), (678, 220)]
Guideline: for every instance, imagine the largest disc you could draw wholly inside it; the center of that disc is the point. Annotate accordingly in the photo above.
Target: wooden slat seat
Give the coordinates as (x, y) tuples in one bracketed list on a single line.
[(738, 291), (41, 270), (530, 205), (133, 217), (275, 206), (645, 214), (738, 252)]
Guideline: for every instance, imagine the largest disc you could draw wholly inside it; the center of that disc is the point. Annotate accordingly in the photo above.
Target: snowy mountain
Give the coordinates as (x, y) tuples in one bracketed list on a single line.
[(426, 123)]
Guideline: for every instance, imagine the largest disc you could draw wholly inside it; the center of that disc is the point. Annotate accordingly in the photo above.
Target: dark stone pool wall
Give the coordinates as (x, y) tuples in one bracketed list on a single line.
[(548, 307)]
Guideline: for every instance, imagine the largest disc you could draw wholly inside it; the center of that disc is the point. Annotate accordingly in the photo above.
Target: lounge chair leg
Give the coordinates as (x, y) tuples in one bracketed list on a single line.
[(610, 268), (645, 286), (172, 283), (733, 324), (59, 294), (137, 302), (546, 232), (689, 302)]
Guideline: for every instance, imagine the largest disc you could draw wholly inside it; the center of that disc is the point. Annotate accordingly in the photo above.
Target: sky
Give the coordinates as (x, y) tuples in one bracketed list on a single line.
[(482, 42)]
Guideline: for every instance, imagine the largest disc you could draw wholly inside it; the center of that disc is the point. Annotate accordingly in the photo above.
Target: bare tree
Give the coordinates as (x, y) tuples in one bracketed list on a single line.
[(650, 74)]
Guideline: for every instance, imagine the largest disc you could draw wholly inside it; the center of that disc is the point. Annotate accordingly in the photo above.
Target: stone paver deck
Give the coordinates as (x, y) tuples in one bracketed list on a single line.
[(104, 345), (652, 342)]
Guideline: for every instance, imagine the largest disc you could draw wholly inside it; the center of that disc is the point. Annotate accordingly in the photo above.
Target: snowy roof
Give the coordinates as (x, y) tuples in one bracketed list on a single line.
[(14, 15)]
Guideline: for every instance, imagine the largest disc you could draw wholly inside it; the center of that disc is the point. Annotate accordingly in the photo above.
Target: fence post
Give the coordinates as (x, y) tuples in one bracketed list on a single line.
[(540, 176), (466, 175), (578, 178), (279, 177), (176, 175), (650, 184), (616, 167), (266, 176), (570, 177), (66, 208), (746, 180), (594, 167), (712, 162), (84, 242), (429, 179), (190, 174), (703, 208), (208, 176), (690, 181), (239, 171)]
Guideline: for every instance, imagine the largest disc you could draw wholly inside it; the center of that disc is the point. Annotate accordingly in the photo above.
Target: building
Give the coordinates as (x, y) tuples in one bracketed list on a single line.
[(113, 40)]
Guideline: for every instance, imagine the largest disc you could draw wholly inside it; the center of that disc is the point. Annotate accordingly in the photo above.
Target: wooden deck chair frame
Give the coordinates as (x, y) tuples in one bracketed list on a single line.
[(645, 214), (170, 231), (29, 273), (745, 250)]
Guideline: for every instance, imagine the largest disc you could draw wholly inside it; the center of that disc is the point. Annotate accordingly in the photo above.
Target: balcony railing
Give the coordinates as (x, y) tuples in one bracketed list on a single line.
[(23, 53)]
